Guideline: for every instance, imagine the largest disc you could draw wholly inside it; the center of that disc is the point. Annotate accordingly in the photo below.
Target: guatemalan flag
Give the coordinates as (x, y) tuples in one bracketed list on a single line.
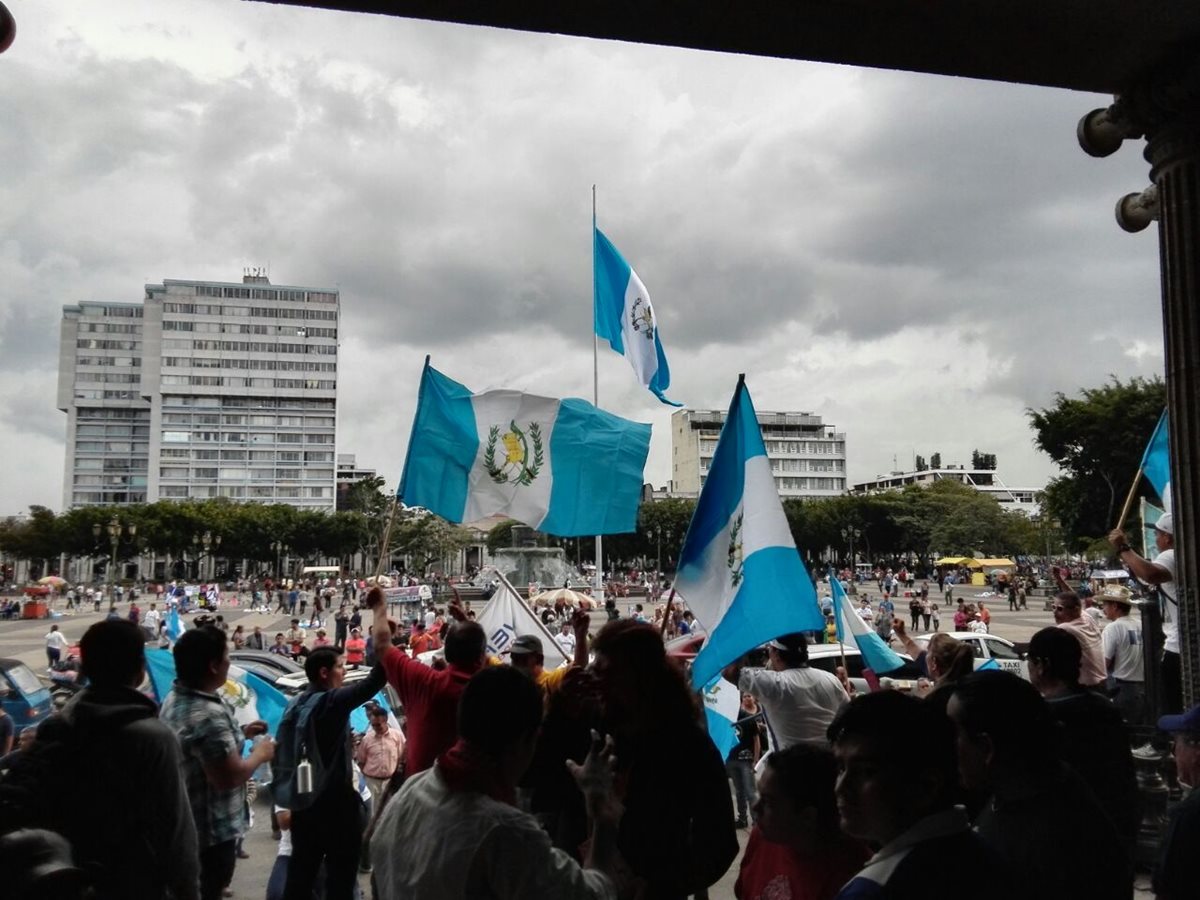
[(563, 467), (625, 318), (876, 654), (738, 569), (1156, 462)]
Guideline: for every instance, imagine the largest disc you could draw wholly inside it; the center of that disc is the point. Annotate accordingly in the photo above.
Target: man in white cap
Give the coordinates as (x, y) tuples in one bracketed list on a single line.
[(800, 701), (1122, 643), (1160, 573)]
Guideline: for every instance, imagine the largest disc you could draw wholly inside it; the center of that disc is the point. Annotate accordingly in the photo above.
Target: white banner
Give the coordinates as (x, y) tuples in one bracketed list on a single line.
[(506, 616), (407, 594)]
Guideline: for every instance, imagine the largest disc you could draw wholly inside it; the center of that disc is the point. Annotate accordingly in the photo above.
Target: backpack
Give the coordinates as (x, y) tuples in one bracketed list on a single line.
[(296, 742)]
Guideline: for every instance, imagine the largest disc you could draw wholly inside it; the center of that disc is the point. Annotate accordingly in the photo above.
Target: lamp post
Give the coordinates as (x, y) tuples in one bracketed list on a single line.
[(277, 546), (204, 542), (850, 534), (115, 530)]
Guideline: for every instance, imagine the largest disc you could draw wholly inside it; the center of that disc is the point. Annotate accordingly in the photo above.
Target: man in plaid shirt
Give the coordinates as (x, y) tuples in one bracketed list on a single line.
[(211, 741)]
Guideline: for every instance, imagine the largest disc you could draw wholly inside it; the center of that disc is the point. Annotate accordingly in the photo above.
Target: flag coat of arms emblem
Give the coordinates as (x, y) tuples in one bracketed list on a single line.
[(561, 466), (739, 570), (624, 316)]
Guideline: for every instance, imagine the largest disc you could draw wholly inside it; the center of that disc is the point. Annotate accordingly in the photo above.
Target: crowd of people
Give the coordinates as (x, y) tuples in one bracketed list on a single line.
[(598, 779)]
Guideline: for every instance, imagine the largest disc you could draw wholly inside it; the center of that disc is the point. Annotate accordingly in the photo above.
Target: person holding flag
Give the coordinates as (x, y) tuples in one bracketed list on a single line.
[(1160, 573), (800, 701)]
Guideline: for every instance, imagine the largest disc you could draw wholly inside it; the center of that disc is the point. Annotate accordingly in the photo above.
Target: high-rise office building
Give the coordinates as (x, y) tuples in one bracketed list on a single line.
[(808, 457), (206, 389)]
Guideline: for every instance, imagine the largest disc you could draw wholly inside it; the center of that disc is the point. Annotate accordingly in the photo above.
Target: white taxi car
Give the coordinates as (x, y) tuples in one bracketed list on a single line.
[(987, 647)]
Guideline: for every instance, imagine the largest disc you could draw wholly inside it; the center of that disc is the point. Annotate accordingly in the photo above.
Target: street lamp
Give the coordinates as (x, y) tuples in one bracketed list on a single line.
[(277, 546), (115, 530), (850, 534), (208, 542)]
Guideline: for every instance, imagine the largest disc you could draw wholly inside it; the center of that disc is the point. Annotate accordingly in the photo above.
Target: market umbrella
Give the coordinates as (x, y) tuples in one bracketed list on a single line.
[(53, 581), (573, 599)]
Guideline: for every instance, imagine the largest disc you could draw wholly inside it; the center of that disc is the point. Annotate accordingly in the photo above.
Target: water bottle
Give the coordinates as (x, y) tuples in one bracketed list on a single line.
[(304, 777)]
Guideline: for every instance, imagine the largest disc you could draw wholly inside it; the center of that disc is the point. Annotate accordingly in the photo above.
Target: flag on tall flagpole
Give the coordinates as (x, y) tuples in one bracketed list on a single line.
[(563, 467), (738, 569), (876, 654), (625, 317), (1156, 462)]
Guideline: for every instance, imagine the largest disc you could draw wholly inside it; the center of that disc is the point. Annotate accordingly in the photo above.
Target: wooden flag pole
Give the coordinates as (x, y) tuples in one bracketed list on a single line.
[(387, 536), (667, 614), (1137, 479)]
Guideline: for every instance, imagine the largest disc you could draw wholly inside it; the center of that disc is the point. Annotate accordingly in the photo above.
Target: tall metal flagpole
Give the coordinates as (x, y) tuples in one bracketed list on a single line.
[(598, 585)]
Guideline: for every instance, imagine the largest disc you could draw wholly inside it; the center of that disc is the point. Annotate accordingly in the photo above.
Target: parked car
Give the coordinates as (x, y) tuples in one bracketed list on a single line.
[(988, 647), (23, 696), (245, 658), (820, 656)]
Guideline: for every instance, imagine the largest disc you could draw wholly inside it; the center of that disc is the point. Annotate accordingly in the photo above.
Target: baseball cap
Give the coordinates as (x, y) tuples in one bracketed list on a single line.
[(1165, 524), (527, 643), (1187, 723)]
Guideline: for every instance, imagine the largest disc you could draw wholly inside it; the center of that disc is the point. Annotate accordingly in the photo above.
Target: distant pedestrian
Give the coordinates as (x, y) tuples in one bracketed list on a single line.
[(56, 643)]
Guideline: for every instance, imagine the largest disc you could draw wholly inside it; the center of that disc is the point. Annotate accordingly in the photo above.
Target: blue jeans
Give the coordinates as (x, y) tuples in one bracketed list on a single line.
[(742, 773)]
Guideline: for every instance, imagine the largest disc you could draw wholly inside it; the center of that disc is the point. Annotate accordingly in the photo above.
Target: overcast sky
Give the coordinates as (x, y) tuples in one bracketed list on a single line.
[(916, 259)]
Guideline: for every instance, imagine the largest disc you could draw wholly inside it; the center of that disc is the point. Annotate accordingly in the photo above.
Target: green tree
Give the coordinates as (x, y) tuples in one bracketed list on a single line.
[(427, 539), (500, 535), (1097, 439)]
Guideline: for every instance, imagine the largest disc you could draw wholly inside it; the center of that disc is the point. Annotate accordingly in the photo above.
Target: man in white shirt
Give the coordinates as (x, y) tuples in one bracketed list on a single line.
[(152, 618), (800, 702), (566, 640), (56, 643), (1161, 574), (1122, 641)]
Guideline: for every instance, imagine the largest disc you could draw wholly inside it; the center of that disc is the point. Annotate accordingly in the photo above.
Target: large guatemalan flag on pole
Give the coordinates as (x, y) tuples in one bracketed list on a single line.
[(738, 569), (625, 318), (1156, 462), (561, 466)]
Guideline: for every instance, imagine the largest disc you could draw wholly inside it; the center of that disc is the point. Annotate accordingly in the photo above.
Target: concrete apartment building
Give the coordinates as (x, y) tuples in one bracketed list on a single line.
[(808, 457), (205, 389)]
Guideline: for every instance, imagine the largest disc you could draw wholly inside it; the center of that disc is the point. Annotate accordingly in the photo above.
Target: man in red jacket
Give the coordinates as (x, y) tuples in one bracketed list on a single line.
[(430, 696)]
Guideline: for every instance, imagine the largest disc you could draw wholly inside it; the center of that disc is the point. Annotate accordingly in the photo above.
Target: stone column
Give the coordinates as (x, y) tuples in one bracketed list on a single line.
[(1167, 109)]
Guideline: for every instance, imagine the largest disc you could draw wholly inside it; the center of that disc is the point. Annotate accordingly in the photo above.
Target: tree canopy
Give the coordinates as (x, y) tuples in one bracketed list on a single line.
[(1098, 439)]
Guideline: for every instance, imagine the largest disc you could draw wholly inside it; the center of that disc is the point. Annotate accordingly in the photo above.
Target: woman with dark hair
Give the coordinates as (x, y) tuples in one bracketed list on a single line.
[(797, 848), (677, 834)]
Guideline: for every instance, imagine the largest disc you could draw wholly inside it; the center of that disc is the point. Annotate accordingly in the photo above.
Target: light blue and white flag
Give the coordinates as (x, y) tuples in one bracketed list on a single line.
[(738, 569), (563, 467), (1156, 462), (876, 654), (722, 708), (175, 625), (625, 318)]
